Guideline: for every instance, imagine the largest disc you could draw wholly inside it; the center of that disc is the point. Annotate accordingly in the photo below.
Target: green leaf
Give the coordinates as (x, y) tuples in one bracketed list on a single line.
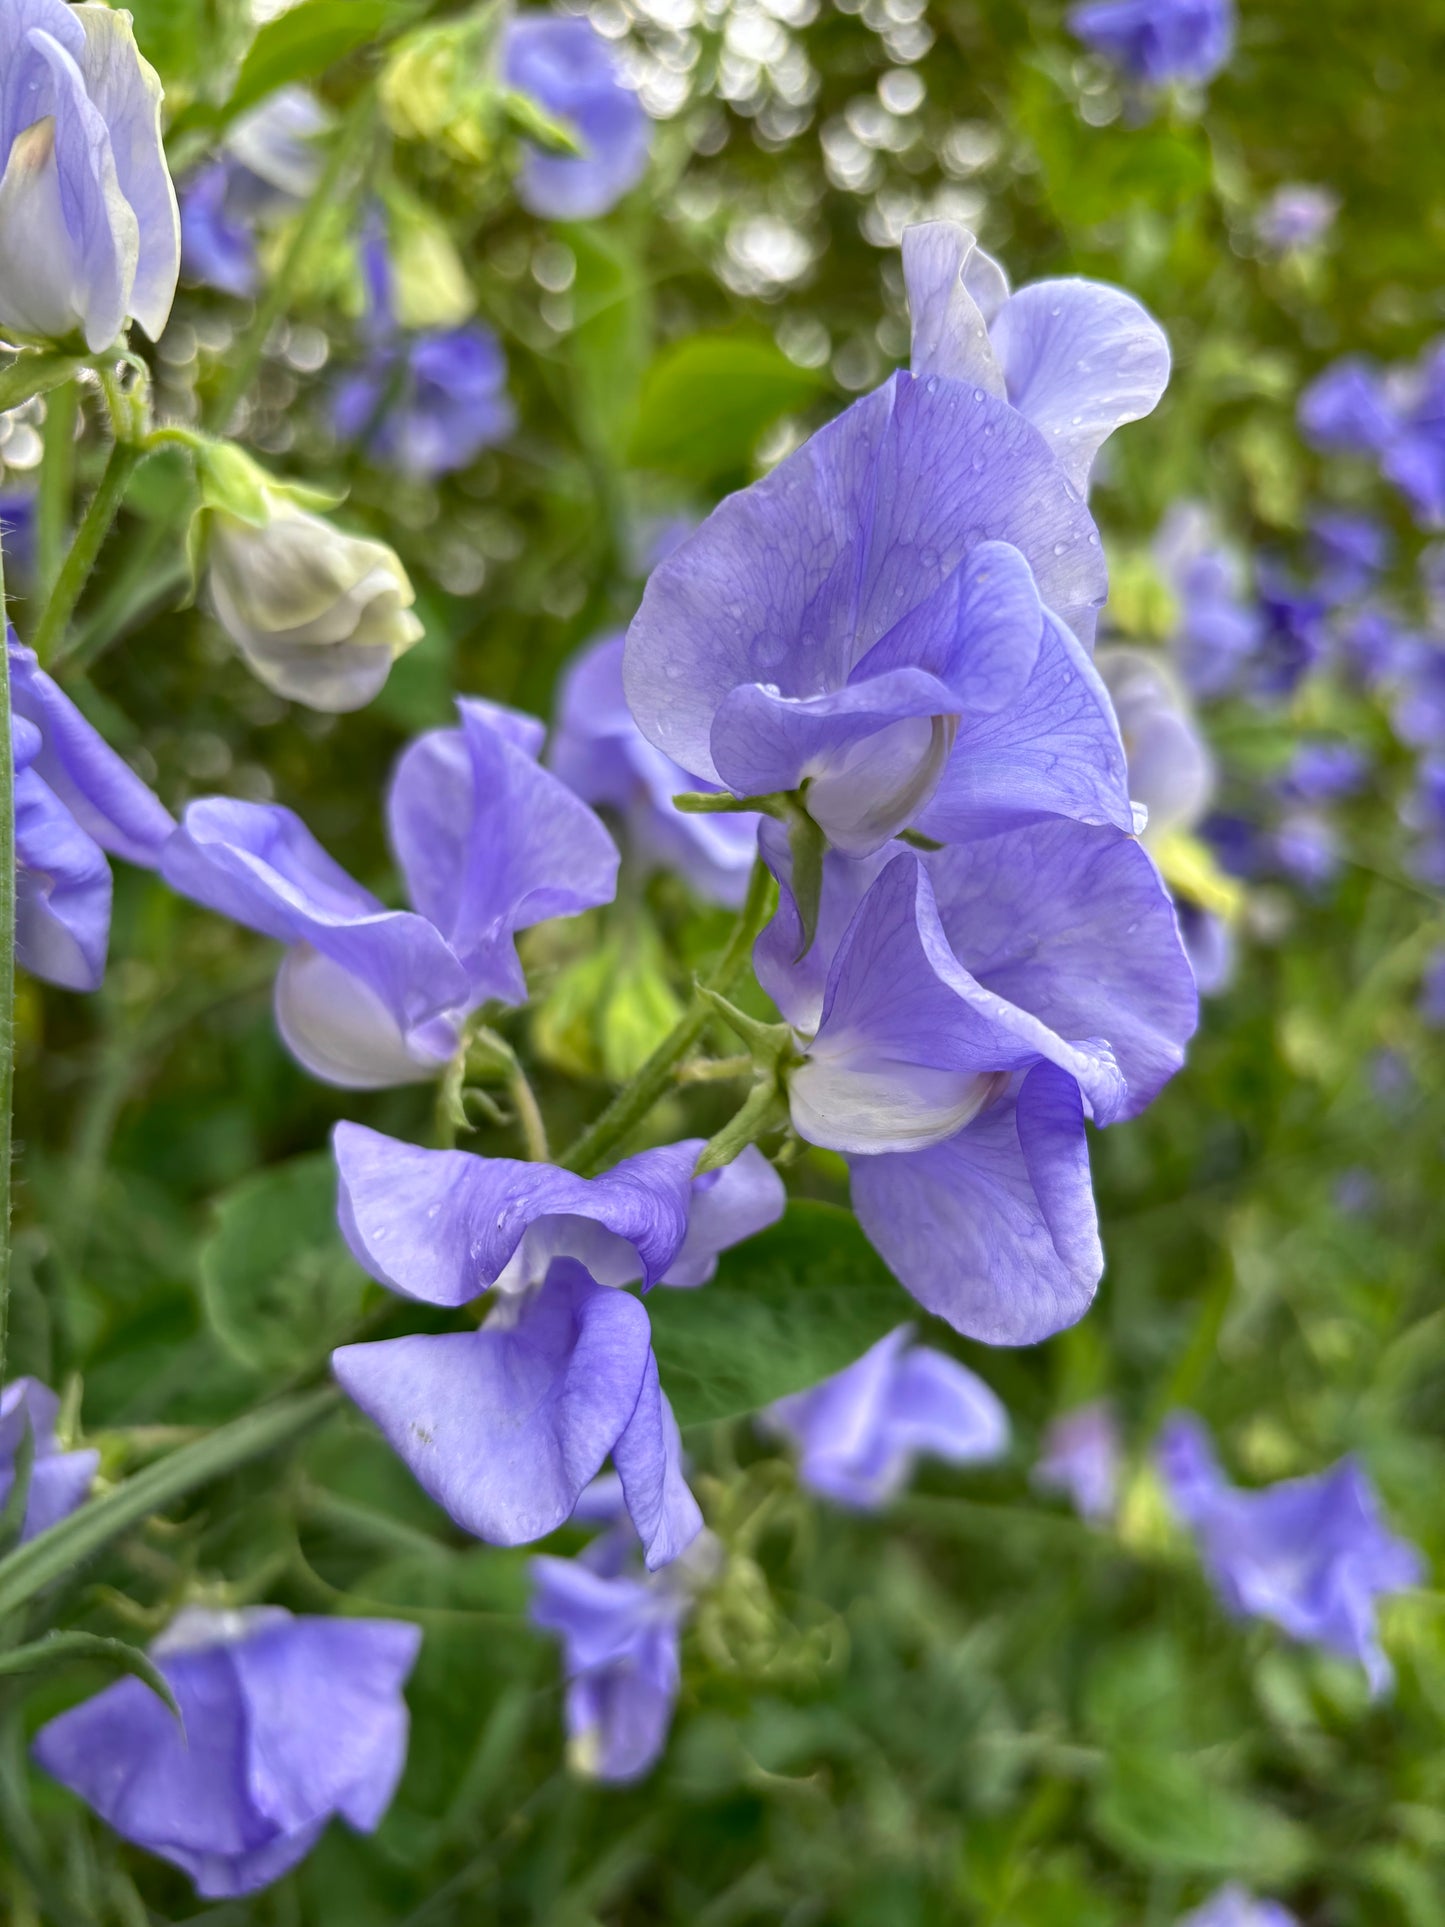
[(34, 372), (612, 337), (17, 1499), (56, 1649), (707, 400), (786, 1309), (303, 42), (278, 1283), (49, 1555), (1162, 1810)]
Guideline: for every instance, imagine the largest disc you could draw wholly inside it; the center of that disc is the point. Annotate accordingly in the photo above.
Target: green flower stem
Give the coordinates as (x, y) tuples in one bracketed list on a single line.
[(245, 359), (589, 1153), (7, 976), (57, 484), (52, 1554), (125, 458)]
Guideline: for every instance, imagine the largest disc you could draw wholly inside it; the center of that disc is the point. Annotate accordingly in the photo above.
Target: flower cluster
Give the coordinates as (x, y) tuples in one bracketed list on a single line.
[(1395, 417)]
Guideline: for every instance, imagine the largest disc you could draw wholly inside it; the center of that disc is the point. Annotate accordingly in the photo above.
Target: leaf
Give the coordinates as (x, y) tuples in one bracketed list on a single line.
[(611, 339), (34, 372), (49, 1555), (786, 1309), (44, 1655), (303, 42), (1161, 1810), (17, 1499), (279, 1285), (706, 401)]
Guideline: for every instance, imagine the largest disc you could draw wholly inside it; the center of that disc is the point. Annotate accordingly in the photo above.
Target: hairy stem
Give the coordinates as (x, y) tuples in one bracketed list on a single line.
[(589, 1153), (529, 1114), (57, 484), (123, 461)]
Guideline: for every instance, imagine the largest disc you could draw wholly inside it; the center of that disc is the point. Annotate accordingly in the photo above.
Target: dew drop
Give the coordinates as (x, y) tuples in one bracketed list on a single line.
[(978, 394)]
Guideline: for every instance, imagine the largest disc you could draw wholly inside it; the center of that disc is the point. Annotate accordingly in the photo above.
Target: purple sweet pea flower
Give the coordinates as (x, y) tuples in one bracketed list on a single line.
[(488, 844), (1081, 1457), (1159, 41), (1347, 410), (598, 751), (507, 1425), (572, 72), (59, 1481), (1294, 639), (75, 799), (1352, 551), (1432, 992), (269, 165), (1308, 1554), (859, 1433), (287, 1722), (1219, 629), (1415, 457), (960, 1016), (1418, 710), (1321, 772), (1306, 847), (866, 620), (89, 230), (1376, 647), (1233, 1907), (1297, 217), (1171, 771)]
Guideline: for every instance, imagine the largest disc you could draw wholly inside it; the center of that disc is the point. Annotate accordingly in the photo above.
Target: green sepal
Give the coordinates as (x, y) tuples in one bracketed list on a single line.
[(55, 1649), (765, 1111), (529, 120)]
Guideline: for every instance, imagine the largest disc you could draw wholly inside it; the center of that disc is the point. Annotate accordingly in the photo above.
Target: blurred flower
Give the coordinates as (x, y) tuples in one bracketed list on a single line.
[(59, 1481), (1233, 1907), (1322, 772), (1346, 410), (1352, 550), (1306, 847), (1432, 991), (320, 616), (1294, 637), (75, 799), (1414, 459), (427, 402), (488, 844), (1308, 1554), (1081, 1456), (89, 230), (1375, 647), (287, 1722), (269, 166), (572, 72), (859, 1433), (1297, 216), (1159, 41), (1219, 629), (505, 1426), (600, 753)]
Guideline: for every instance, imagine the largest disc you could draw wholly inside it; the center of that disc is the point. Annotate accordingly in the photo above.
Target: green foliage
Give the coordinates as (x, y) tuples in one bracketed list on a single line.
[(706, 402)]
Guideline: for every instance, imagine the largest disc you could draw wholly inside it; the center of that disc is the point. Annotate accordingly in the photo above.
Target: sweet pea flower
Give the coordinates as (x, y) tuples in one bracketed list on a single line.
[(1352, 550), (1414, 459), (427, 403), (1081, 1457), (1218, 629), (1308, 1554), (1233, 1907), (59, 1481), (572, 72), (958, 1017), (1294, 638), (488, 844), (1347, 410), (883, 623), (506, 1426), (1432, 992), (1159, 41), (269, 165), (75, 799), (600, 753), (859, 1433), (89, 229), (286, 1722), (1296, 217)]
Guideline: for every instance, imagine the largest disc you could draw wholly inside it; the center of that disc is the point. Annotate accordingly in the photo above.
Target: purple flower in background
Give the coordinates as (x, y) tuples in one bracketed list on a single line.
[(572, 72), (1322, 772), (269, 165), (1347, 410), (488, 844), (961, 1016), (1233, 1907), (1375, 647), (1171, 770), (75, 799), (1159, 41), (1294, 638), (1219, 628), (1306, 847), (1432, 992), (506, 1426), (286, 1722), (89, 230), (1352, 551), (598, 751), (1082, 1457), (1414, 459), (428, 403), (1418, 711), (1308, 1554), (59, 1481), (1297, 216), (859, 1433)]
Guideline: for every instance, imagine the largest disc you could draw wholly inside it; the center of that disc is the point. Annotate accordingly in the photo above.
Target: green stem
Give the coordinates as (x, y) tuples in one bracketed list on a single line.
[(57, 485), (123, 461), (51, 1554), (589, 1153), (529, 1113), (7, 975), (246, 357)]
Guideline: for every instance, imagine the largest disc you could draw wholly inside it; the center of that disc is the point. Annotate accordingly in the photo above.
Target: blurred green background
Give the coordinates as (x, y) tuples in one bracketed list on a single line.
[(972, 1709)]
